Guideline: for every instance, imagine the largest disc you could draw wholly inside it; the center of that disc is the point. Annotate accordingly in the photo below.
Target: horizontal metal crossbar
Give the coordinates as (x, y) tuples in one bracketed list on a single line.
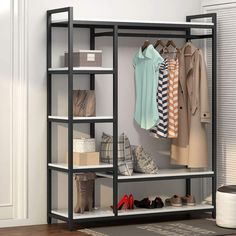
[(151, 35), (58, 120), (81, 72), (174, 26), (165, 178), (58, 217)]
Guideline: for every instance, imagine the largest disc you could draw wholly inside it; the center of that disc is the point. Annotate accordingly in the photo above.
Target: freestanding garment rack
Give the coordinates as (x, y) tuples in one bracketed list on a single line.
[(115, 30)]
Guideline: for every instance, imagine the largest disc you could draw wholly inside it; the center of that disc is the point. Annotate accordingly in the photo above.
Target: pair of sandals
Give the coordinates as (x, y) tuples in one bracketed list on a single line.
[(147, 203)]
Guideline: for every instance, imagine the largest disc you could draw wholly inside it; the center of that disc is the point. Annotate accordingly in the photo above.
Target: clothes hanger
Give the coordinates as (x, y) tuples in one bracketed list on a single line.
[(145, 44), (159, 42), (171, 43), (188, 44), (164, 51), (188, 39)]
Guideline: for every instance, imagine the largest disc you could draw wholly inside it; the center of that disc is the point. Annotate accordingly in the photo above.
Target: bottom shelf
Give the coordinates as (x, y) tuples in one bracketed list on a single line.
[(137, 211), (87, 214)]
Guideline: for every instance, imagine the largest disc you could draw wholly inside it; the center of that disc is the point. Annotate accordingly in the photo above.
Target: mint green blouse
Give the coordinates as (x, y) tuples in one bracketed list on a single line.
[(146, 64)]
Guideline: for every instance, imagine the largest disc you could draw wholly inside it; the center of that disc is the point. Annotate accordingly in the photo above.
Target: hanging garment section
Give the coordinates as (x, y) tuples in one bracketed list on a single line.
[(172, 99), (190, 147), (162, 101), (146, 63)]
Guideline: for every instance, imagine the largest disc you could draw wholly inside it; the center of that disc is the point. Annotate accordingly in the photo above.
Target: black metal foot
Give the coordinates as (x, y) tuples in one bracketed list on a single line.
[(71, 226), (214, 214), (49, 220)]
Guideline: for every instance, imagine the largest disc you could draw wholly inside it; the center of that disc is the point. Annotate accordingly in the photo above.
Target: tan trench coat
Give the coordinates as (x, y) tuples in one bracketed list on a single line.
[(190, 148)]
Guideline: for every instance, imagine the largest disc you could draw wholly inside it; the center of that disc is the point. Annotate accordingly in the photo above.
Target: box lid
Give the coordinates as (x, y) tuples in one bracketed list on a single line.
[(91, 51)]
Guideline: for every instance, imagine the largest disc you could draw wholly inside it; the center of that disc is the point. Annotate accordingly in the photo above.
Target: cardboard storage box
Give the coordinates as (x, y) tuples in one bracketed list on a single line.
[(85, 158), (86, 58)]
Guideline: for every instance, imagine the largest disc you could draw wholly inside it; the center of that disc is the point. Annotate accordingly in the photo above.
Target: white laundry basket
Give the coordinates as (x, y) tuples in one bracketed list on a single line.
[(226, 206)]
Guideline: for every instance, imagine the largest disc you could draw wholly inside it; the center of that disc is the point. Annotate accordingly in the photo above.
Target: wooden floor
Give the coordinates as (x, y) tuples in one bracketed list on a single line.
[(40, 230), (62, 229)]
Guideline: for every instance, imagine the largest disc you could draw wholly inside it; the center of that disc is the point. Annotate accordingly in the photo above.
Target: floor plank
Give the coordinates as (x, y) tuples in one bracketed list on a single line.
[(40, 230), (62, 229)]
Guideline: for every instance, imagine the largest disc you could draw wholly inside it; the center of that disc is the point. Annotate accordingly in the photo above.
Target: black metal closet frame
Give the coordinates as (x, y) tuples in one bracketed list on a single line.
[(115, 31)]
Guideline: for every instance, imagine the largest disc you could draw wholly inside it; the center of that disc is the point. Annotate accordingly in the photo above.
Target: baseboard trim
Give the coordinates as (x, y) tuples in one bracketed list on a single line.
[(20, 222)]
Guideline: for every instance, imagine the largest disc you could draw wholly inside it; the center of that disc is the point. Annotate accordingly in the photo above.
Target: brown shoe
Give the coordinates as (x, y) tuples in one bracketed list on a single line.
[(174, 201), (188, 200)]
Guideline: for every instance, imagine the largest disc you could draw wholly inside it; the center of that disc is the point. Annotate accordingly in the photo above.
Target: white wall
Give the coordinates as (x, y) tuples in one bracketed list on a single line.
[(104, 9), (6, 167)]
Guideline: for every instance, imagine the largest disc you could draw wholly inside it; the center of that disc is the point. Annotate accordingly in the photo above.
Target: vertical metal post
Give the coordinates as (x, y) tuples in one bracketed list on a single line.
[(115, 117), (188, 31), (214, 112), (188, 187), (92, 77), (188, 181), (70, 118), (92, 87), (49, 125), (214, 103)]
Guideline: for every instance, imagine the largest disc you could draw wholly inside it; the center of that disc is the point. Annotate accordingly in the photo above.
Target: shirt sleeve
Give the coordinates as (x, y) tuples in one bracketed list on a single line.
[(204, 97)]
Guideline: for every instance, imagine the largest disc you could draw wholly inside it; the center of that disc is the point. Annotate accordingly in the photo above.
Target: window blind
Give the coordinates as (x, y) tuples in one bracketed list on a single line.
[(226, 92)]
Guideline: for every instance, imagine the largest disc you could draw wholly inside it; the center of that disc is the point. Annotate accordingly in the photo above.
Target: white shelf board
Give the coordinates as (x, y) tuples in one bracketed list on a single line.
[(87, 214), (65, 166), (161, 173), (138, 211), (106, 212), (137, 21), (82, 68), (81, 118)]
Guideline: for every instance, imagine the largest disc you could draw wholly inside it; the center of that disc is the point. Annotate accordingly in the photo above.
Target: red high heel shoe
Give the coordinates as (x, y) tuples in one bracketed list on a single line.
[(131, 201), (124, 202)]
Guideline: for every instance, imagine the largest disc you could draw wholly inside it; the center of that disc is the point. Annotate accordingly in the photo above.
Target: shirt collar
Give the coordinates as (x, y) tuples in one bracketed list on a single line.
[(146, 53), (189, 49)]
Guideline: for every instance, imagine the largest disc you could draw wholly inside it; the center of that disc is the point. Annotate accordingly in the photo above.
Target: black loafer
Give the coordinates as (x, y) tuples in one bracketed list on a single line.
[(157, 203), (144, 203)]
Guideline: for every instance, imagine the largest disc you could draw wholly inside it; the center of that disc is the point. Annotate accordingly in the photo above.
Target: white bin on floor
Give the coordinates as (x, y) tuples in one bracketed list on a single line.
[(226, 206)]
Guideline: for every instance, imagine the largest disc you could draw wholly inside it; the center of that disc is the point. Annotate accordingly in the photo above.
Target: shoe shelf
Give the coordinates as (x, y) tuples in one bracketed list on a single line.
[(81, 70), (106, 212), (63, 167), (90, 119), (140, 211), (162, 174)]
